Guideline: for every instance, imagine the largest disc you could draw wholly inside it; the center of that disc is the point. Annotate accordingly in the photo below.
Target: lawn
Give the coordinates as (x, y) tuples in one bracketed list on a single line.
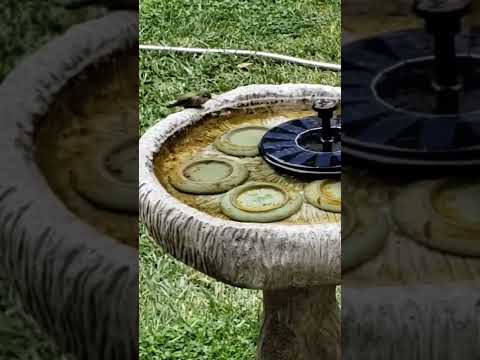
[(184, 314)]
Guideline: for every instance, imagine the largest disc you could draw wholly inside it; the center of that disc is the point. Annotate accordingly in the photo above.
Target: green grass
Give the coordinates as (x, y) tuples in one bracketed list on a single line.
[(20, 336), (29, 24), (306, 28), (26, 26), (184, 314)]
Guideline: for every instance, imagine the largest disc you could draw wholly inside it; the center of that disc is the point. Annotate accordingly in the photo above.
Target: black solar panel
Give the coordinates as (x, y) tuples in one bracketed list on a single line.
[(297, 147)]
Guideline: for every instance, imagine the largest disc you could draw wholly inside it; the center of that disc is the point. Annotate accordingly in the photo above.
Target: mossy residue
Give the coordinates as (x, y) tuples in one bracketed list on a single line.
[(94, 111), (198, 140)]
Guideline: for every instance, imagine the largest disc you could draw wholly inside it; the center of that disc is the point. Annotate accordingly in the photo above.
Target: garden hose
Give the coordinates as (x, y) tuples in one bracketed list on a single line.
[(250, 53)]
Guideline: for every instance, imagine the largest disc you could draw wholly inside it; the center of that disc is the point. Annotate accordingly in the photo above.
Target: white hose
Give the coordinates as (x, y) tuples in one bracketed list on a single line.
[(235, 52)]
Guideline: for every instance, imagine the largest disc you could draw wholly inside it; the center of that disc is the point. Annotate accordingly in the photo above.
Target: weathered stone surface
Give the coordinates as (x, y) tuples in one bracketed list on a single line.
[(260, 256), (300, 324), (407, 301), (411, 322)]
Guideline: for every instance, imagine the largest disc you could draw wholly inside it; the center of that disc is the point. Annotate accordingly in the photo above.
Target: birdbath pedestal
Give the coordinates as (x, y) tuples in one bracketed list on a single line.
[(296, 262)]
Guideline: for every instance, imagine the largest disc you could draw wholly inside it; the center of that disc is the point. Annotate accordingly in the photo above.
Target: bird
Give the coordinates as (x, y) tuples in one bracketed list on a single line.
[(195, 100), (111, 4)]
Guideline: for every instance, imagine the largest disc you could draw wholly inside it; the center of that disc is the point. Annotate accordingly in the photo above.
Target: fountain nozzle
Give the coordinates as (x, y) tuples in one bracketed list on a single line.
[(443, 20), (325, 109)]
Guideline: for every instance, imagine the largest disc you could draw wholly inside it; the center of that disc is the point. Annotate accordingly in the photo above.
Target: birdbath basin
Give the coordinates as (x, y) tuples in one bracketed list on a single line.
[(258, 230)]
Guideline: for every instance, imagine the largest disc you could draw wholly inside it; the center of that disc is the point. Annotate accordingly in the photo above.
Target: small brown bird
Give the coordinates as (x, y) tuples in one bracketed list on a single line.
[(192, 100)]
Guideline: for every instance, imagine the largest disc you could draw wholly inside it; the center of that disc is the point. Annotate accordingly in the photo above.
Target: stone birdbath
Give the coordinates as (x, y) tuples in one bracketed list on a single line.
[(255, 228), (410, 250), (68, 205)]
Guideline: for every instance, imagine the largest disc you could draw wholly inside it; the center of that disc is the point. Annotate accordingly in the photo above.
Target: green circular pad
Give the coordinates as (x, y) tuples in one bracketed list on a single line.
[(209, 175), (442, 215), (364, 232), (260, 202), (243, 141), (325, 195), (104, 175)]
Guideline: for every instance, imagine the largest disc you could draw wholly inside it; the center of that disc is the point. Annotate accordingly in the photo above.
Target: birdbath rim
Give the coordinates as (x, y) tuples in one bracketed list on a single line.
[(263, 256)]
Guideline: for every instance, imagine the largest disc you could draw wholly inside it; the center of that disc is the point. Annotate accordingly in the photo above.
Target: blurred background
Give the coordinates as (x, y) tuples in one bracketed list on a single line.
[(412, 269), (26, 26)]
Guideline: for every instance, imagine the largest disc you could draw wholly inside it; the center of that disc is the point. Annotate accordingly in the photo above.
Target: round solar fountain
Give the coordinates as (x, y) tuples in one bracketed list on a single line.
[(69, 187), (308, 147), (250, 217), (410, 253)]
